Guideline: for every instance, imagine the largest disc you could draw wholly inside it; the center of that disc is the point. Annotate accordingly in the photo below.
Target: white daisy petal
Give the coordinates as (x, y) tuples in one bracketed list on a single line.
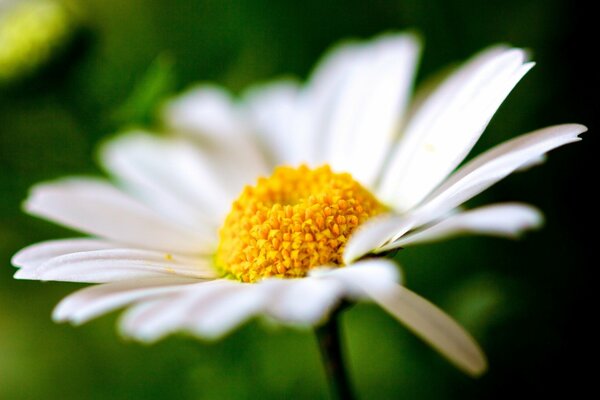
[(91, 302), (432, 325), (420, 316), (533, 163), (170, 175), (506, 220), (303, 301), (492, 166), (36, 254), (373, 234), (98, 208), (447, 125), (470, 180), (208, 115), (99, 266), (206, 110), (319, 99), (275, 112), (229, 310), (209, 310), (151, 320), (451, 76), (377, 272), (371, 96)]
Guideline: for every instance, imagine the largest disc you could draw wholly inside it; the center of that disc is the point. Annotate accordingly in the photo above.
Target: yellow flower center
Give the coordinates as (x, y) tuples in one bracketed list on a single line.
[(295, 220)]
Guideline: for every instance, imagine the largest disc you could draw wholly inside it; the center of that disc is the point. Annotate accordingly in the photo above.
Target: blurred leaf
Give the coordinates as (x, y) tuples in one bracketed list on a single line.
[(153, 87), (478, 303)]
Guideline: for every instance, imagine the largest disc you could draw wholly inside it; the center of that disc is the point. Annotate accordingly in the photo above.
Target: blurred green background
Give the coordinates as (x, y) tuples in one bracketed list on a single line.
[(526, 301)]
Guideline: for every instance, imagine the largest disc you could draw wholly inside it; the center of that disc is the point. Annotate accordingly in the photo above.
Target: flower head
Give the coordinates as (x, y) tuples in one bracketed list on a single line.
[(294, 221), (270, 205)]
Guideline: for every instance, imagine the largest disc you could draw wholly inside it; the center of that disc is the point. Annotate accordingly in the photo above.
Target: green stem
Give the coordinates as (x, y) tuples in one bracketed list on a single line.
[(330, 344)]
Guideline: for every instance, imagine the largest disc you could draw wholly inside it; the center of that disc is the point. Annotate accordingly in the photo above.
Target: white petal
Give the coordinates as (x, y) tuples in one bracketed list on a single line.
[(275, 111), (112, 265), (304, 301), (232, 308), (208, 310), (420, 316), (373, 234), (470, 180), (447, 125), (492, 166), (151, 320), (170, 175), (532, 163), (450, 79), (205, 109), (318, 100), (98, 208), (374, 83), (208, 115), (97, 300), (433, 326), (38, 253), (376, 272), (506, 220)]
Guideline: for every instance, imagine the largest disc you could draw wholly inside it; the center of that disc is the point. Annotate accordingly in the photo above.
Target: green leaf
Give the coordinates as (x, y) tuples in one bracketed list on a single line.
[(158, 83)]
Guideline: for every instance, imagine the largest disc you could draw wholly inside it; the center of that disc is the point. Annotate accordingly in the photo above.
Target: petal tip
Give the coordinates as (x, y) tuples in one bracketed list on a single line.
[(537, 219), (477, 367), (25, 274), (572, 128), (580, 127), (19, 259), (59, 315), (139, 336)]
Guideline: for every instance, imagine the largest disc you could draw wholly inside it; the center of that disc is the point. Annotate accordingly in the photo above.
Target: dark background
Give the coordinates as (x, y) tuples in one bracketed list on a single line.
[(530, 303)]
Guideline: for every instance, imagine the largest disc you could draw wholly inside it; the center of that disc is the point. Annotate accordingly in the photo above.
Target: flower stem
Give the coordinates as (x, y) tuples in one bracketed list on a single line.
[(330, 344)]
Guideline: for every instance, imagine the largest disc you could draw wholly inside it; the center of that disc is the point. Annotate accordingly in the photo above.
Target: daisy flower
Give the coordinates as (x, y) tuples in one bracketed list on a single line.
[(277, 203)]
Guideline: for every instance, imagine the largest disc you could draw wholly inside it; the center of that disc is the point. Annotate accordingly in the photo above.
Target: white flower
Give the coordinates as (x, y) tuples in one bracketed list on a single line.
[(156, 245)]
